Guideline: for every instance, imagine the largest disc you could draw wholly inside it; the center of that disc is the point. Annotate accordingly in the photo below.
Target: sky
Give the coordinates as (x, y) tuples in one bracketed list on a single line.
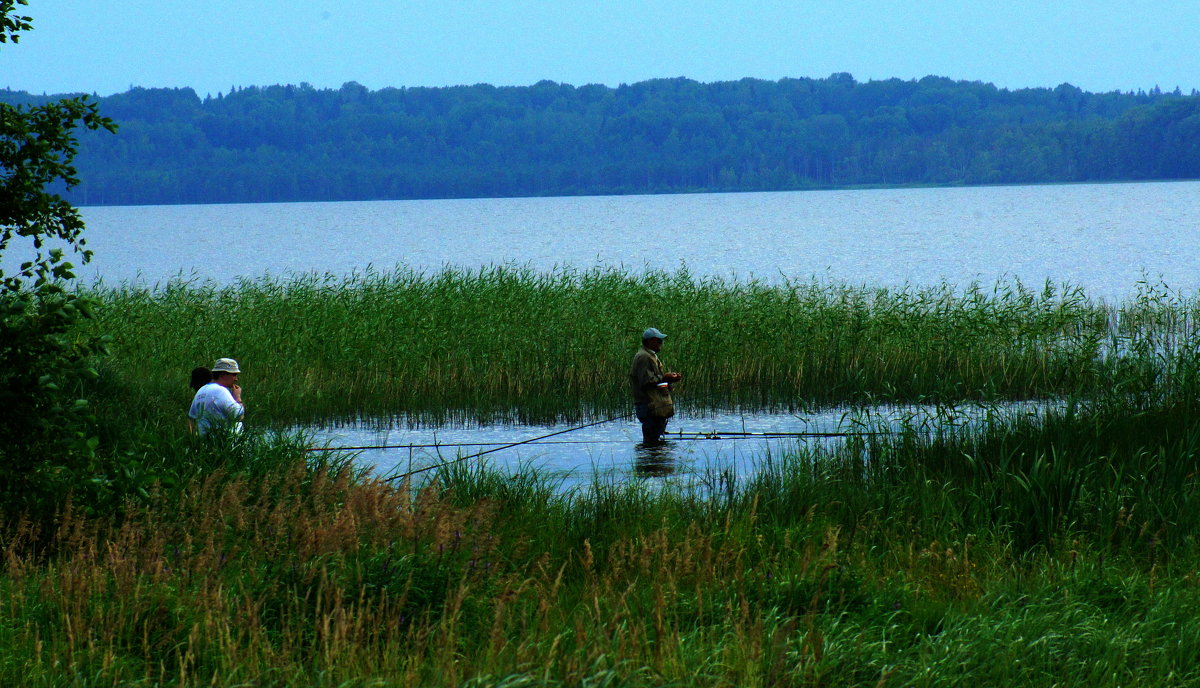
[(106, 47)]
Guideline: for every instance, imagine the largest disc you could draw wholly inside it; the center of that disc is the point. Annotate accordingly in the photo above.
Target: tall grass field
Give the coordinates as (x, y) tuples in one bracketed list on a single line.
[(1058, 549), (510, 341), (1058, 554)]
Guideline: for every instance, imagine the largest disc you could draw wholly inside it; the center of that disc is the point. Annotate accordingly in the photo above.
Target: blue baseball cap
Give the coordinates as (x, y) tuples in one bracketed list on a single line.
[(652, 333)]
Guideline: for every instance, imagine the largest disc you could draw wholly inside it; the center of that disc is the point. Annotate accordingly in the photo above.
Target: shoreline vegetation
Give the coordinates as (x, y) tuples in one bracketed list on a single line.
[(1057, 549), (503, 341), (1026, 554)]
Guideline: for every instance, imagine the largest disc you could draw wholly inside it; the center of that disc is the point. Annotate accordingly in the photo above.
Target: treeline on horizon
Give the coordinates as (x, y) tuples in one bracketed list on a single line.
[(299, 143)]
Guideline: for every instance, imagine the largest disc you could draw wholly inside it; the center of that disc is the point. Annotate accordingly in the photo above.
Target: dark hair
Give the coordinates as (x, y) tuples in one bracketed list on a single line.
[(200, 376)]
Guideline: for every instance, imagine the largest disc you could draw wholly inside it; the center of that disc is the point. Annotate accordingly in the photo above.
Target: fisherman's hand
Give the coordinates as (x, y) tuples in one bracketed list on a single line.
[(236, 391), (672, 377)]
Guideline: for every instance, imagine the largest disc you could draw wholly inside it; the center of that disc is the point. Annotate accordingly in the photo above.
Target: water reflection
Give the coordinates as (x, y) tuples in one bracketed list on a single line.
[(654, 460)]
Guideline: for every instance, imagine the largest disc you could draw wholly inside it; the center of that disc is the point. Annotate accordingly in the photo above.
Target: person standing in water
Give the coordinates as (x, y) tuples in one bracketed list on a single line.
[(218, 404), (651, 387)]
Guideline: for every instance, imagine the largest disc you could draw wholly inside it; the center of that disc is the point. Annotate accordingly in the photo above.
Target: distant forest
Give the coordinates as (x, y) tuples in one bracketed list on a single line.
[(291, 143)]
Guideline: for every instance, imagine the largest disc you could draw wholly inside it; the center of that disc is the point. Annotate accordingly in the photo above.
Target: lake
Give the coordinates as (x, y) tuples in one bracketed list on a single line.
[(1104, 238)]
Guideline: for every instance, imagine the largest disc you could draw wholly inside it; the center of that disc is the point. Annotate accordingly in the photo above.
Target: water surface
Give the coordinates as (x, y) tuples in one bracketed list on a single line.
[(1102, 237), (699, 443), (1105, 238)]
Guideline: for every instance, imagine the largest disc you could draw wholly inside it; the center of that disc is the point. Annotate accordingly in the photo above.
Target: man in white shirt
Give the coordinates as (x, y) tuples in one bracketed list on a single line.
[(219, 403)]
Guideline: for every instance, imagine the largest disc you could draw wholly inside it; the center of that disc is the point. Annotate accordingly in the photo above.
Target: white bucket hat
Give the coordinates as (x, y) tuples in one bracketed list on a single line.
[(226, 365)]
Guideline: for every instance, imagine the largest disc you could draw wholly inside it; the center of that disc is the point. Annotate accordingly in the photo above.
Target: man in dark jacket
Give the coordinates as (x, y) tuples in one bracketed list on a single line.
[(646, 378)]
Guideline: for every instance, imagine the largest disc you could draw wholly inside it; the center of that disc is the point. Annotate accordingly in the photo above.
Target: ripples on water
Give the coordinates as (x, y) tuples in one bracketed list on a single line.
[(1101, 237)]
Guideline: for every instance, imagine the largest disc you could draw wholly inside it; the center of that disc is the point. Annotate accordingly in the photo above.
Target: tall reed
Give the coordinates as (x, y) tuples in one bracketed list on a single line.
[(508, 341), (896, 560), (1060, 548)]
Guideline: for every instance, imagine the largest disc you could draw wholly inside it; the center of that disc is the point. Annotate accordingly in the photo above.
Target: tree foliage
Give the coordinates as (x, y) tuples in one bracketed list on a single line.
[(286, 143), (45, 446)]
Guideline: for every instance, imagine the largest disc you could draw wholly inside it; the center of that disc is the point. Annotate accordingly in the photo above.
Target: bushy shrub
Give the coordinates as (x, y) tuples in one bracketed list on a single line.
[(45, 445)]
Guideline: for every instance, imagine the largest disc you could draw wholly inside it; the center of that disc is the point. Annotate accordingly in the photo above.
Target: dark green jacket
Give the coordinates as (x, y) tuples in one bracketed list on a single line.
[(644, 374)]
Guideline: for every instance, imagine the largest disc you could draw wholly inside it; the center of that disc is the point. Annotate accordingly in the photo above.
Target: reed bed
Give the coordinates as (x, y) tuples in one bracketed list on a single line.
[(1058, 549), (507, 341), (1062, 552)]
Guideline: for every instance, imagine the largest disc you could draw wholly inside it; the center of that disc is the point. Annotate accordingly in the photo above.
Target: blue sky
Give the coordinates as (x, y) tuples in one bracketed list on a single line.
[(106, 47)]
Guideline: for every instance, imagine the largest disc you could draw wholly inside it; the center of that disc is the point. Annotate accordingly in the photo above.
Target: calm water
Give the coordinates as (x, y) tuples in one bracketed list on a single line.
[(1104, 238), (699, 444)]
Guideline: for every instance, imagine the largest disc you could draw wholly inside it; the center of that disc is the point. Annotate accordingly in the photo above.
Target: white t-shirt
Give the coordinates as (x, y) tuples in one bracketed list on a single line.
[(214, 404)]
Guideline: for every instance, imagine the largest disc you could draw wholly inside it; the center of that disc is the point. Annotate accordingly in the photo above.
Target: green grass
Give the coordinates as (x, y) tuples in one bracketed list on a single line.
[(1060, 549), (1063, 552), (510, 342)]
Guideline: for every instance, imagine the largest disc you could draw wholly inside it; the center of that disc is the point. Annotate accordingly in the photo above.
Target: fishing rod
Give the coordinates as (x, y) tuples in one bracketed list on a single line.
[(451, 445), (718, 434), (715, 435), (506, 446)]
